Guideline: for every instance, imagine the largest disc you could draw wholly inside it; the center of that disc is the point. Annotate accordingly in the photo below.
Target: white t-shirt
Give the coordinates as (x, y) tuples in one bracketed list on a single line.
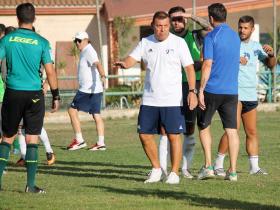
[(88, 75), (164, 61)]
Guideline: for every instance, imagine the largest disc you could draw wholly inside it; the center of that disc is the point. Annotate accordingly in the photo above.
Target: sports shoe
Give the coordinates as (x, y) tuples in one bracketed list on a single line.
[(5, 171), (220, 172), (187, 174), (20, 162), (154, 176), (97, 147), (172, 178), (50, 158), (259, 172), (34, 189), (231, 176), (75, 145), (205, 173)]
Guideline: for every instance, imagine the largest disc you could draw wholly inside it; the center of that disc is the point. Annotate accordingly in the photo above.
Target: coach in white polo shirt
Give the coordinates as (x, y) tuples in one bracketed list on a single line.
[(163, 54), (89, 96)]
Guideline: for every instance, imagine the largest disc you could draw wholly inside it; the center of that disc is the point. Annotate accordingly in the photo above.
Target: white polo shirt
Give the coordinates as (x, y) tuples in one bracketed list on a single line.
[(88, 75), (164, 61)]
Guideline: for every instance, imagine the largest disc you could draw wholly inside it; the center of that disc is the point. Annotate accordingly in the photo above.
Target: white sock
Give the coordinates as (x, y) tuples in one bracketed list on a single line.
[(188, 151), (45, 139), (22, 143), (100, 141), (254, 163), (164, 148), (79, 137), (219, 162)]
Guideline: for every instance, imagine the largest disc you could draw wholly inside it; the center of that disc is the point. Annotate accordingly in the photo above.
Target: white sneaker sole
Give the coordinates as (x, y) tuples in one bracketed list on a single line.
[(95, 149), (77, 147)]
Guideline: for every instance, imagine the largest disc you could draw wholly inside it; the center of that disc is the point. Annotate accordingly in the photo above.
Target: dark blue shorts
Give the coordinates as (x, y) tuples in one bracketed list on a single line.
[(87, 102), (151, 118), (248, 106)]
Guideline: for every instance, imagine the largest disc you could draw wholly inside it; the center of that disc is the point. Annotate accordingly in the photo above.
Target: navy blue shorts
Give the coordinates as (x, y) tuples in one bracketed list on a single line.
[(87, 102), (248, 106), (151, 118)]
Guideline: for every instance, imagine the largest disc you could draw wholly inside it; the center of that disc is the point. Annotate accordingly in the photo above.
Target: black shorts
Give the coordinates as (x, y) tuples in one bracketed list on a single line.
[(248, 106), (190, 115), (29, 105), (225, 104)]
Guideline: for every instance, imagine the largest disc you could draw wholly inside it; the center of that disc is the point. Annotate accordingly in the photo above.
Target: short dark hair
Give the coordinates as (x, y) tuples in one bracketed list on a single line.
[(159, 15), (247, 19), (218, 12), (25, 13), (176, 9), (9, 29), (2, 28)]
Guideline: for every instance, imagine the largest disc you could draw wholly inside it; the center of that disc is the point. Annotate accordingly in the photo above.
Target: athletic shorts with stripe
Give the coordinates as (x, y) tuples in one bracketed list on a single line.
[(151, 118), (18, 104)]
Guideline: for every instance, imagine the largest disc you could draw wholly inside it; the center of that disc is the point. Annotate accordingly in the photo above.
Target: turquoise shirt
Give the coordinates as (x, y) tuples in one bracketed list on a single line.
[(247, 78), (24, 51)]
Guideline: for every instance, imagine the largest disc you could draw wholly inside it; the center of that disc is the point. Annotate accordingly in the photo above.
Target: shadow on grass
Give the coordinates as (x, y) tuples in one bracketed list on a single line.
[(74, 163), (77, 172), (195, 200)]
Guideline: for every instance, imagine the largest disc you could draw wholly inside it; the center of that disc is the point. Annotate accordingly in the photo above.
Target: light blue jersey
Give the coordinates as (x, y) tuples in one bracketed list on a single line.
[(247, 77)]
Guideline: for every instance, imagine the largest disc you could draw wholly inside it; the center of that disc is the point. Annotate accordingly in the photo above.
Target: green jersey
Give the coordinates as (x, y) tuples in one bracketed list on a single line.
[(24, 51), (195, 53)]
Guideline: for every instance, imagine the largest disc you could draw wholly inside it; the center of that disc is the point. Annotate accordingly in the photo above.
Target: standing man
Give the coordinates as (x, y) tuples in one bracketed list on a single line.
[(163, 54), (89, 96), (25, 50), (194, 40), (250, 53), (219, 88)]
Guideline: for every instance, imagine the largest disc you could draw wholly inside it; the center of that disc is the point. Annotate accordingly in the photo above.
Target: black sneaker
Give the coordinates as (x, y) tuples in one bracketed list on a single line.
[(34, 189)]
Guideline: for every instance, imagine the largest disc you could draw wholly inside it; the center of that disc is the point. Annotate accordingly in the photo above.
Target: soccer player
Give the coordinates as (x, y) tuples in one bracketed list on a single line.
[(219, 88), (163, 54), (91, 78), (250, 53), (194, 40), (25, 51)]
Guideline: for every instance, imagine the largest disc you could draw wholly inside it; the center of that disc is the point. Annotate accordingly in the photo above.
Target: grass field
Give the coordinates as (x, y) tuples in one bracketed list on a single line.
[(113, 179)]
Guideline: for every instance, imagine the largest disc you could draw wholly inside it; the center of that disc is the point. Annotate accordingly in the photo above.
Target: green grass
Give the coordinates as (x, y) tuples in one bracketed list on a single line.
[(114, 179)]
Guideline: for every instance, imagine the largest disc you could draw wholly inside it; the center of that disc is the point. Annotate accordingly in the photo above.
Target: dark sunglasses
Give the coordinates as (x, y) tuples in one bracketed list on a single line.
[(77, 41), (178, 19)]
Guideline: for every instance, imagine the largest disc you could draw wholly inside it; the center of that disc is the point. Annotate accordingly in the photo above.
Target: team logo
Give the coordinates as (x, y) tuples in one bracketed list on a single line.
[(150, 50), (35, 100), (181, 127)]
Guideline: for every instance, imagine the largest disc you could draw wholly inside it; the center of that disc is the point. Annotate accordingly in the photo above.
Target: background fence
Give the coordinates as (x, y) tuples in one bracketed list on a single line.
[(130, 89)]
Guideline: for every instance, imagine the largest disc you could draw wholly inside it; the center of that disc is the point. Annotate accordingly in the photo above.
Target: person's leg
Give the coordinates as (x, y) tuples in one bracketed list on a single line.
[(76, 125), (45, 140), (99, 129), (233, 140), (78, 142), (229, 114), (31, 159), (175, 151), (188, 149), (148, 125), (150, 148), (252, 142), (5, 147), (95, 110), (206, 142), (223, 145)]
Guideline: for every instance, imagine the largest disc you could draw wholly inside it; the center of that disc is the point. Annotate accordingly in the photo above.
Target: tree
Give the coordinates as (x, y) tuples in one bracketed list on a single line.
[(123, 26)]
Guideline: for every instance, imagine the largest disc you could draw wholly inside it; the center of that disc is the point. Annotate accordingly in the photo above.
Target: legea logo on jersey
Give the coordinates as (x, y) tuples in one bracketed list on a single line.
[(23, 40)]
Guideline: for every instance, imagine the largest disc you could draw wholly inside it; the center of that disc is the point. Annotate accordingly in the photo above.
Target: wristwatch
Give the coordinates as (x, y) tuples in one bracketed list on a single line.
[(193, 91)]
